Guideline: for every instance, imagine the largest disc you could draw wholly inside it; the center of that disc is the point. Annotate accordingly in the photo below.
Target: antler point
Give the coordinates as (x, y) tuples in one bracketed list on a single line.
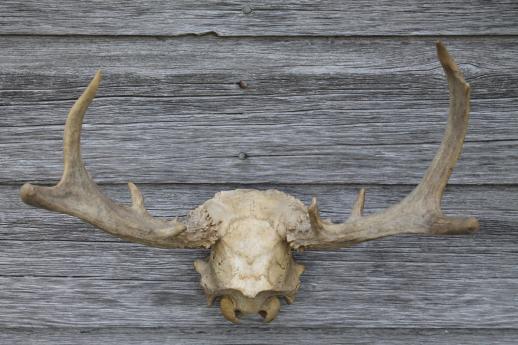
[(27, 192)]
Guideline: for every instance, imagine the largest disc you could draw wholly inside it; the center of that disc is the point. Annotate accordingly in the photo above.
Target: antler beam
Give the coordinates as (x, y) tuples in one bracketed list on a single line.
[(78, 195), (419, 212)]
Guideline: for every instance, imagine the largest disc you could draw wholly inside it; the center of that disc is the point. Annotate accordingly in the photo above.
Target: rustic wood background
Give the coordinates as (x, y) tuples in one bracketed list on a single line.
[(341, 94)]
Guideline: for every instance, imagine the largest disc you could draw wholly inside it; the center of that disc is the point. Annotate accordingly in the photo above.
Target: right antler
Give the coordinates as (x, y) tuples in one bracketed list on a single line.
[(420, 212), (78, 195)]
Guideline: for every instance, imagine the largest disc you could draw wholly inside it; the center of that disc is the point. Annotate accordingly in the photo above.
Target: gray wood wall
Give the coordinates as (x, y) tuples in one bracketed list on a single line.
[(340, 95)]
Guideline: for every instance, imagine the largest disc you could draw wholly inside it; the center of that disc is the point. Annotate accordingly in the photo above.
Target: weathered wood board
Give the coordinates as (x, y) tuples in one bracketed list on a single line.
[(315, 111), (339, 95), (94, 280), (265, 17), (250, 334)]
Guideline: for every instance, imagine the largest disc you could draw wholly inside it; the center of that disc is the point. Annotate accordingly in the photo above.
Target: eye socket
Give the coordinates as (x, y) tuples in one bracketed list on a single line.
[(263, 313)]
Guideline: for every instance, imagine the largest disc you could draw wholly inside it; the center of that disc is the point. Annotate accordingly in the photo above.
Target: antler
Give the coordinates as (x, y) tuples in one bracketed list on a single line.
[(420, 211), (78, 195)]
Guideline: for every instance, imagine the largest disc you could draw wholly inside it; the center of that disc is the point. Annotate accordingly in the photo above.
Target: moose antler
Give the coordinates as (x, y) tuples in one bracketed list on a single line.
[(420, 211), (251, 233), (78, 195)]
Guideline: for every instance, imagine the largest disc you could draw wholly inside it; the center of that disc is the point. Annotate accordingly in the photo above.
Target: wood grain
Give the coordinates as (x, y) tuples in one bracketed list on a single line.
[(335, 292), (65, 273), (418, 286), (287, 18), (327, 110), (259, 335), (374, 301)]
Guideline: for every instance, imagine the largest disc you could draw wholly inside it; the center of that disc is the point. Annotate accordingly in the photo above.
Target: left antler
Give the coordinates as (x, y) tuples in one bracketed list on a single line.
[(420, 211), (78, 195)]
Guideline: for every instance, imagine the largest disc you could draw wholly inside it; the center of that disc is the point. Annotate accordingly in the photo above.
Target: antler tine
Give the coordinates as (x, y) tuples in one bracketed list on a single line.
[(359, 204), (428, 194), (77, 194), (420, 211), (73, 163), (436, 177), (356, 212), (73, 167)]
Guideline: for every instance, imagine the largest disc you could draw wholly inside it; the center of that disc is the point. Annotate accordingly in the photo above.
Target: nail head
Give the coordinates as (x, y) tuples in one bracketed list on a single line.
[(247, 9)]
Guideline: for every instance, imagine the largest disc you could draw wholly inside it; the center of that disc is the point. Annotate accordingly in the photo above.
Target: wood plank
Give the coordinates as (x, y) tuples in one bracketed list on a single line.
[(369, 301), (40, 243), (57, 68), (291, 18), (108, 161), (320, 101), (495, 206), (53, 276), (414, 258), (258, 335)]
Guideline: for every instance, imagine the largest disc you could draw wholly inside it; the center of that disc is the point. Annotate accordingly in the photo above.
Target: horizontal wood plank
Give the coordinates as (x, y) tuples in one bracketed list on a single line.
[(59, 271), (61, 245), (195, 335), (414, 258), (171, 110), (371, 300), (287, 18)]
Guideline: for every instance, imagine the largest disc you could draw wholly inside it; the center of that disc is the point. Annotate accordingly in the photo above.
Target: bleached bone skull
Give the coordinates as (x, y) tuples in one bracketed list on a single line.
[(252, 233), (251, 264)]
